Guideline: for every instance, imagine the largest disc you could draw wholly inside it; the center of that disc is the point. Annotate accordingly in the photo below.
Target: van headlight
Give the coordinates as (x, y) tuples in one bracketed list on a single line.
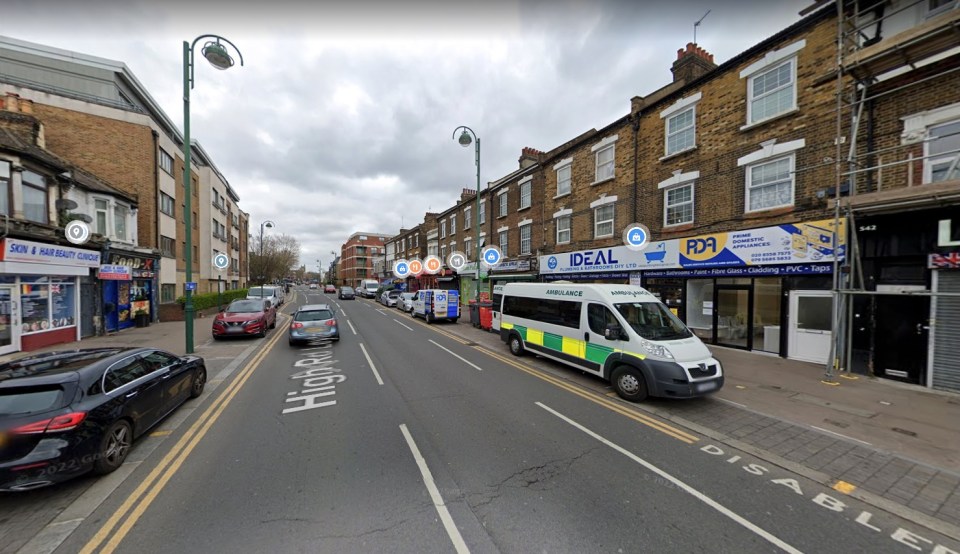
[(656, 350)]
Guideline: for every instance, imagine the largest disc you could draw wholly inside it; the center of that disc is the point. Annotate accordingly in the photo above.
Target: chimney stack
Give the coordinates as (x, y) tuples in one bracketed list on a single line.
[(529, 156), (467, 193), (692, 63)]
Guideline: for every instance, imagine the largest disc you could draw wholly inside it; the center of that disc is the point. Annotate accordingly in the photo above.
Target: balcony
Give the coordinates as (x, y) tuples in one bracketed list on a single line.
[(907, 48)]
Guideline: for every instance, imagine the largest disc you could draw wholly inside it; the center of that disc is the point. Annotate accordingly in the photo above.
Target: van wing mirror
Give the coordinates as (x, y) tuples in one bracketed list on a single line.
[(613, 332)]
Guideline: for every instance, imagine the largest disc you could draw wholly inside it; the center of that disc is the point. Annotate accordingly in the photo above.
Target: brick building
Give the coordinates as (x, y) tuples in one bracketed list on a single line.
[(357, 256)]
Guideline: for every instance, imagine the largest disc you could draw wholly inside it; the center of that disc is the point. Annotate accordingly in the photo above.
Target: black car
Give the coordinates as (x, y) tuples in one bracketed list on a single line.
[(346, 293), (66, 413)]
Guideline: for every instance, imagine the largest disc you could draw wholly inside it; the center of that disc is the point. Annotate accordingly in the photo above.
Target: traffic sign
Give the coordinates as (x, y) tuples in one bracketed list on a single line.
[(401, 268), (491, 256), (432, 265), (221, 261), (190, 286)]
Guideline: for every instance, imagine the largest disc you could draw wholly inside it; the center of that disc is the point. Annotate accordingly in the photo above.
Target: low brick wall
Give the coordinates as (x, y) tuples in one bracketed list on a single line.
[(173, 311)]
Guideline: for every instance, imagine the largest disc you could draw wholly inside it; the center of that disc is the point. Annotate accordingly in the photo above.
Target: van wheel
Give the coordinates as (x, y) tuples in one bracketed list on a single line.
[(516, 345), (428, 318), (629, 384)]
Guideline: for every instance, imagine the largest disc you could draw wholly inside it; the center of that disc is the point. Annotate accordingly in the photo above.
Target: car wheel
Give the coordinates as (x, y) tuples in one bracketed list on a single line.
[(114, 447), (273, 324), (292, 342), (217, 337), (516, 345), (629, 384), (263, 329), (199, 381)]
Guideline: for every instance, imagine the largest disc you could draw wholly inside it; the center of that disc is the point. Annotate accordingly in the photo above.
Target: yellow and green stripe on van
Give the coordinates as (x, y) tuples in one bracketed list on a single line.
[(565, 347)]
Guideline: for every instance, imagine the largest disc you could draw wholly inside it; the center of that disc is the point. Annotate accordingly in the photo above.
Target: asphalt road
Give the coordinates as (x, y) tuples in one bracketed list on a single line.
[(404, 438)]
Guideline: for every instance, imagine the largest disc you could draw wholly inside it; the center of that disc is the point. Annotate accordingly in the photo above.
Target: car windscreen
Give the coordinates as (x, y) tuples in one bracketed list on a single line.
[(394, 294), (258, 291), (17, 401), (314, 315), (653, 321), (246, 306)]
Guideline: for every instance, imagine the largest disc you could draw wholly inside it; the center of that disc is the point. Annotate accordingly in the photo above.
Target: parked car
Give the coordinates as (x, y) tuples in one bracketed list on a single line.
[(405, 302), (313, 322), (346, 293), (358, 291), (66, 413), (244, 318), (329, 289), (313, 286), (264, 293), (389, 297)]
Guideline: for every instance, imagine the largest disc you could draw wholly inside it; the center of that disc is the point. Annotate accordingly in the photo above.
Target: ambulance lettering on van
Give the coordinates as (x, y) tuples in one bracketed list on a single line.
[(621, 333)]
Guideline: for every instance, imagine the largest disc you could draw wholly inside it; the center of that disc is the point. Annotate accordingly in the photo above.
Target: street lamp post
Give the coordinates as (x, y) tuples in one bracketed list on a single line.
[(263, 273), (217, 55), (465, 140)]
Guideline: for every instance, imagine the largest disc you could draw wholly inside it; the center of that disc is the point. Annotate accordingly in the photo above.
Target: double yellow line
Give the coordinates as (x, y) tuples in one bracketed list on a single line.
[(137, 503), (592, 397)]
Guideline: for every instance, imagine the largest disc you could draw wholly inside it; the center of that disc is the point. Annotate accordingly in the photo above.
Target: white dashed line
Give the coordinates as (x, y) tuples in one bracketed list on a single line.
[(372, 367), (457, 356)]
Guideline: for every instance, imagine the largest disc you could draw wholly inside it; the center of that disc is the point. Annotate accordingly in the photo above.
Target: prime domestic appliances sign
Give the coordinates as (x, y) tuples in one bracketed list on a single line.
[(798, 243), (17, 250)]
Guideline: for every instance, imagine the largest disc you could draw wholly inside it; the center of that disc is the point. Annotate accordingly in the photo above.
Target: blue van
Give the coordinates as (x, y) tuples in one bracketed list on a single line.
[(434, 304)]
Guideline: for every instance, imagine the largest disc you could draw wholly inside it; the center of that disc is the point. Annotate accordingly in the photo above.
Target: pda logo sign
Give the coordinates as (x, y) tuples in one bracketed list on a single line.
[(416, 267), (432, 265), (703, 248), (401, 268)]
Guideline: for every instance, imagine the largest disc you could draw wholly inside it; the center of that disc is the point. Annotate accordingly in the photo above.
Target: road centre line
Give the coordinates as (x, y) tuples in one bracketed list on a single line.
[(769, 537), (455, 355), (602, 401), (184, 445), (403, 324), (839, 435), (442, 510), (352, 328), (372, 367)]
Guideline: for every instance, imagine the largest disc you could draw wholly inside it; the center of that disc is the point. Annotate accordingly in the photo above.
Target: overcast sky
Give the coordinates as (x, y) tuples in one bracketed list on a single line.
[(341, 118)]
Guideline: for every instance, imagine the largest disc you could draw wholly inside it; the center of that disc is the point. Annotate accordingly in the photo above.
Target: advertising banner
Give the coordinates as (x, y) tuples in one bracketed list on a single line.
[(796, 243), (18, 250)]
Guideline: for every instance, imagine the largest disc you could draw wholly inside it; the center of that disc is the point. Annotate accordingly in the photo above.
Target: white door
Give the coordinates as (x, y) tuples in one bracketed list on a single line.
[(811, 314), (9, 321)]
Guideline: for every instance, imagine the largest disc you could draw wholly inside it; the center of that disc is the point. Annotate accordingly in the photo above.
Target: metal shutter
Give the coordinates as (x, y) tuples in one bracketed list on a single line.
[(946, 363)]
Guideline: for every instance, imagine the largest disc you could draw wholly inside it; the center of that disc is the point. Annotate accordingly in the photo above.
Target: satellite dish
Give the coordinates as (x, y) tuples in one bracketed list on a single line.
[(83, 217), (66, 204)]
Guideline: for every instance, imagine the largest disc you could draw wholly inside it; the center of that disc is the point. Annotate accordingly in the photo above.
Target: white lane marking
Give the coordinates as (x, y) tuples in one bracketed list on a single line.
[(373, 367), (455, 355), (839, 435), (730, 402), (690, 490), (435, 493), (350, 323), (401, 323)]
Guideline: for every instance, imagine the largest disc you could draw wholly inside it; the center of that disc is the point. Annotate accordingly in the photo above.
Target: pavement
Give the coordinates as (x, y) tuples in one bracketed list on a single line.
[(894, 446)]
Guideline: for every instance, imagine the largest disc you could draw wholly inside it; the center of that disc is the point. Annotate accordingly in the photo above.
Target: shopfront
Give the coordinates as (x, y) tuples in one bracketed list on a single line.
[(40, 293), (765, 289), (131, 292)]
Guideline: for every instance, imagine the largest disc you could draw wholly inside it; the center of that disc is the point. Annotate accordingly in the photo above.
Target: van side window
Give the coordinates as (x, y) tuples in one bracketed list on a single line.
[(554, 312), (599, 317)]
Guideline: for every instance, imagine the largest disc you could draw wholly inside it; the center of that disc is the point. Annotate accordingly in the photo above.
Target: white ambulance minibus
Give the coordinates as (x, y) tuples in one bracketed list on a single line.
[(621, 333)]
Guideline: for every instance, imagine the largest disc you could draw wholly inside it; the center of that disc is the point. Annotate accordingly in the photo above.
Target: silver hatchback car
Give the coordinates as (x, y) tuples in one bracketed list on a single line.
[(313, 322)]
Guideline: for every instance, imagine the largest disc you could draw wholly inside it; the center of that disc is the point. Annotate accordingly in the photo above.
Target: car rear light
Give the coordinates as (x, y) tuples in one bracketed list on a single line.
[(330, 322), (63, 422), (296, 325)]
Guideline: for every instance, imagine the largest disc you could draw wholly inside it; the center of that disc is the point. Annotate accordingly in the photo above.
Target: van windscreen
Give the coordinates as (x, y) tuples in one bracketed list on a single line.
[(653, 321)]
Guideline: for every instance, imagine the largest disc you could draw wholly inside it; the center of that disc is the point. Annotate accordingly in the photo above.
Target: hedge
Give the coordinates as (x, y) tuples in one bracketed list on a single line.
[(209, 300)]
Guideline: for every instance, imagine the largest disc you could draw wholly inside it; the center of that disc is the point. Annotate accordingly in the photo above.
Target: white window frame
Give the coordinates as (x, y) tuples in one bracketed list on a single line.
[(608, 143), (443, 228), (466, 247), (565, 166), (667, 206), (793, 183), (771, 62), (467, 216), (503, 240), (483, 212), (106, 216), (679, 180), (166, 162), (173, 205), (692, 128), (526, 227), (597, 221), (564, 215), (111, 222), (929, 161), (453, 224), (526, 190), (504, 202)]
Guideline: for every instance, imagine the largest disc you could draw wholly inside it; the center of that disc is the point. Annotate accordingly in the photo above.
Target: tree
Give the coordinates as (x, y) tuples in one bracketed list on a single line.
[(280, 254)]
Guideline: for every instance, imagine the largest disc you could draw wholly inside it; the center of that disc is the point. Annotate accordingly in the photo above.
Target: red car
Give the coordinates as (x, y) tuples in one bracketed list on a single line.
[(329, 288), (244, 318)]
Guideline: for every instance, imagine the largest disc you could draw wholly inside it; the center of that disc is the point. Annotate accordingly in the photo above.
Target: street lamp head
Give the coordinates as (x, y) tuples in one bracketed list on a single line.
[(217, 55), (465, 139), (268, 224)]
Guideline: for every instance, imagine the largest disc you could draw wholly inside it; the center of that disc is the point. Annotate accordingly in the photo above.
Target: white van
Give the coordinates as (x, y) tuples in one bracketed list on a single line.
[(267, 292), (621, 333), (434, 304), (368, 288)]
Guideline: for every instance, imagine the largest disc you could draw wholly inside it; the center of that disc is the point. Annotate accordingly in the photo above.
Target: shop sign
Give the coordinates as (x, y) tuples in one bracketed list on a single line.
[(799, 243), (17, 250), (512, 265), (608, 275), (747, 271), (114, 273), (944, 261), (142, 268)]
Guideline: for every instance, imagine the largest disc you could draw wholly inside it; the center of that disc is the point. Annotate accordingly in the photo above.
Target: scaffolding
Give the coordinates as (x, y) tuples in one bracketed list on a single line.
[(864, 55)]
